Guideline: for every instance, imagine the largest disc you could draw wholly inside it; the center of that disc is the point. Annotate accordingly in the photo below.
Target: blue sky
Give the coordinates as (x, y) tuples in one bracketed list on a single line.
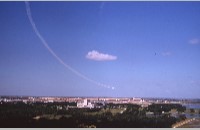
[(142, 49)]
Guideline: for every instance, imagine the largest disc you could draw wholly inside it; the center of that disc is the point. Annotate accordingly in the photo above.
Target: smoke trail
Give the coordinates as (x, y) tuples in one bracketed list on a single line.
[(54, 54), (102, 4)]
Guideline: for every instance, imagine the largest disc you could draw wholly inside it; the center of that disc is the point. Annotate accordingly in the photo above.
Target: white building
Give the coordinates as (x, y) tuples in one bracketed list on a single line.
[(84, 104)]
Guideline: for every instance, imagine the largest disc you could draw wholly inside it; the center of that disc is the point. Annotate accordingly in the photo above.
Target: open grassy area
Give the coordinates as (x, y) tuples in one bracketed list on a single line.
[(114, 111), (52, 116)]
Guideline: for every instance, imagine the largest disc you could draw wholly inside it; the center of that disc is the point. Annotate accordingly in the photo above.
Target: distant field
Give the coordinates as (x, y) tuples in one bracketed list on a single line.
[(51, 116), (113, 111)]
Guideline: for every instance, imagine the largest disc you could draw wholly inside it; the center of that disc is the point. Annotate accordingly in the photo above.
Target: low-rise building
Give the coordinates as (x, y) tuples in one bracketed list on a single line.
[(84, 104)]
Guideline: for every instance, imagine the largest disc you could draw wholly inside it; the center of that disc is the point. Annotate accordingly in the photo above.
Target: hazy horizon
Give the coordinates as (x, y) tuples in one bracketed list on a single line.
[(100, 49)]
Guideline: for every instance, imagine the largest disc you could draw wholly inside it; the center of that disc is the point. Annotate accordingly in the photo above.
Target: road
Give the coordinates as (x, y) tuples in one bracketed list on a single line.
[(188, 123)]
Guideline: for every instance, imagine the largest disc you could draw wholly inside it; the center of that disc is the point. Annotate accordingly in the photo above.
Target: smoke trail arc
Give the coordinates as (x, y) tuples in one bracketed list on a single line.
[(28, 10)]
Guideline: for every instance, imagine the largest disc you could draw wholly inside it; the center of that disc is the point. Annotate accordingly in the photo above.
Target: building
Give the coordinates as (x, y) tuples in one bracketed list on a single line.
[(84, 104)]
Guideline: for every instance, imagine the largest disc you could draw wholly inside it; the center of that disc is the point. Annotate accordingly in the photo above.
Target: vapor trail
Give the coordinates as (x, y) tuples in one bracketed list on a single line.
[(101, 8), (55, 55)]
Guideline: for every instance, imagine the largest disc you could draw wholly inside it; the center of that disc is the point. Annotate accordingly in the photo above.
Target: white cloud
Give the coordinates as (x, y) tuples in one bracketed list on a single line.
[(95, 55), (167, 53), (194, 41)]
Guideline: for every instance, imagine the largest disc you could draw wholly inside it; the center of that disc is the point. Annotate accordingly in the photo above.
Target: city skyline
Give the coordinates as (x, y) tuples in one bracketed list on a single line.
[(113, 49)]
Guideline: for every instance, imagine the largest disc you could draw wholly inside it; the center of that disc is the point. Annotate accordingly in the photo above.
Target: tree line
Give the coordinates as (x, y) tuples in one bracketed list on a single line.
[(19, 114)]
